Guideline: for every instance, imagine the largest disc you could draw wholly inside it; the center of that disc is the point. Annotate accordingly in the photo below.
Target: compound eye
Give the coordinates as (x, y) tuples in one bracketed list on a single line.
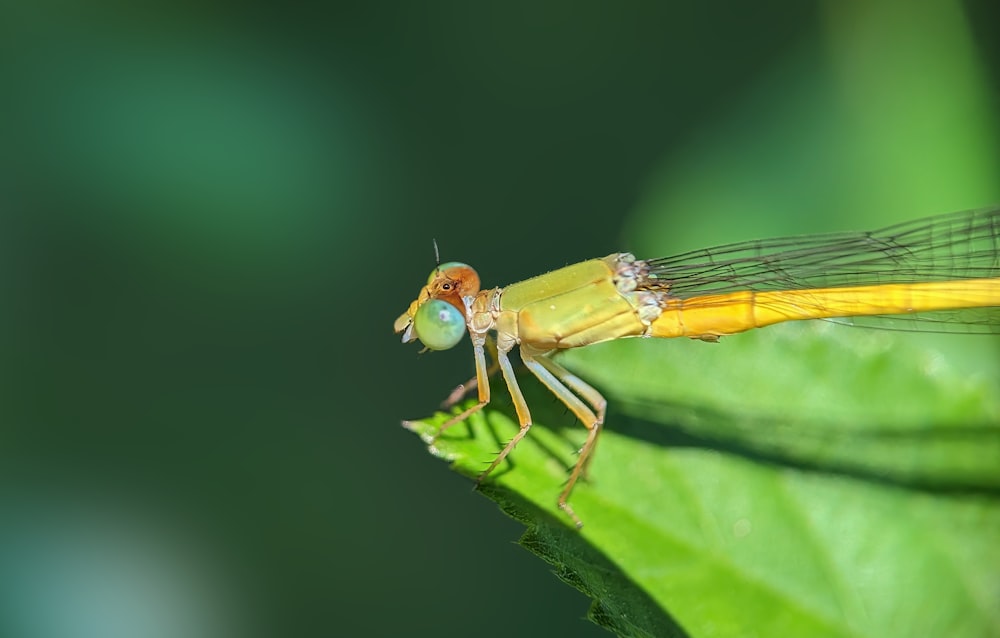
[(443, 267), (438, 324)]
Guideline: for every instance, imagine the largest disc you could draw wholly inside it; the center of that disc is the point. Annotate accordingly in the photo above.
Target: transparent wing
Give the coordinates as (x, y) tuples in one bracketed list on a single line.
[(955, 246)]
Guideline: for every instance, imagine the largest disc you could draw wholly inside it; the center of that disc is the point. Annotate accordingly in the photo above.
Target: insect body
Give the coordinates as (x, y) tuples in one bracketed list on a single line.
[(943, 272)]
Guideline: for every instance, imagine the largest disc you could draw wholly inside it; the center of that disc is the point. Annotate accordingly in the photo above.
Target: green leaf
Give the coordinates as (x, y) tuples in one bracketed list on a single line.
[(803, 480)]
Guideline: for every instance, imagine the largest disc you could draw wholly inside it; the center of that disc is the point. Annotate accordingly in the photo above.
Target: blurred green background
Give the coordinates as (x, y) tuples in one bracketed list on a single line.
[(211, 215)]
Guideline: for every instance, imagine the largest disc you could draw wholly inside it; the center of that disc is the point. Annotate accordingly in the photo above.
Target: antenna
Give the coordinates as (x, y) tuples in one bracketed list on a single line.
[(437, 255)]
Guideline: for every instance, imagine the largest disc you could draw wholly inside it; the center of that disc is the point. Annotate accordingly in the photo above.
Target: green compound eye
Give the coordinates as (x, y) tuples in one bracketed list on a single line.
[(438, 324)]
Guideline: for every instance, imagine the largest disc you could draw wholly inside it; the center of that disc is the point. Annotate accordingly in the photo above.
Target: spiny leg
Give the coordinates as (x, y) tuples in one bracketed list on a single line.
[(482, 382), (556, 379), (591, 396), (464, 389), (520, 406)]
